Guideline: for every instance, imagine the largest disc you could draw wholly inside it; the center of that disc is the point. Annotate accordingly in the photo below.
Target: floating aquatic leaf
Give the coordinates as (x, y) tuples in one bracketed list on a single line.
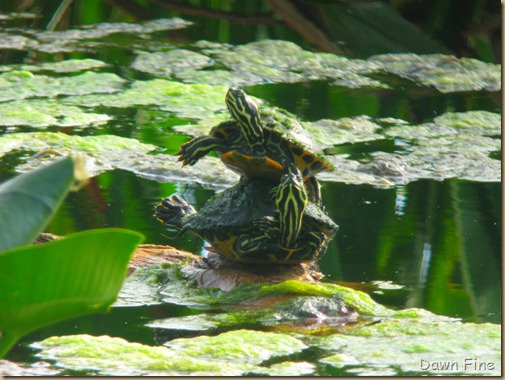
[(406, 347), (16, 85), (164, 64), (44, 113)]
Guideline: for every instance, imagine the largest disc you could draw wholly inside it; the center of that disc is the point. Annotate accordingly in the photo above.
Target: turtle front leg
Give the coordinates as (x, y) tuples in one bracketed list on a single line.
[(195, 149)]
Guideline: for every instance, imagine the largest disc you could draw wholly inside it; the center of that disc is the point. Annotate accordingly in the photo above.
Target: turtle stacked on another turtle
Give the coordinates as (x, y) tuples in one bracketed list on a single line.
[(268, 216)]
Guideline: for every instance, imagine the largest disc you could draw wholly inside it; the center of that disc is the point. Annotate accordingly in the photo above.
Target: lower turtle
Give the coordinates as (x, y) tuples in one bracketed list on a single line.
[(256, 221)]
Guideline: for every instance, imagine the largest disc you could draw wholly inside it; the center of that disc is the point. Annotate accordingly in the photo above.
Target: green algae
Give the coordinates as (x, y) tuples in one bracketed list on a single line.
[(388, 342), (477, 121), (164, 64), (280, 61), (398, 346), (109, 152), (88, 37), (242, 346), (41, 141), (445, 73), (358, 300), (16, 85), (47, 113), (228, 354), (192, 101), (106, 355), (66, 66)]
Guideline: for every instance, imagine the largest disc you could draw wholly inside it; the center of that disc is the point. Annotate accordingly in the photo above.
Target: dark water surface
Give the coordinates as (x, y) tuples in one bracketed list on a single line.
[(440, 242)]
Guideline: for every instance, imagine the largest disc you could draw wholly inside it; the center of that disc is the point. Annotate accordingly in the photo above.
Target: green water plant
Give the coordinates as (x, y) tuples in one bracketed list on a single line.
[(46, 283)]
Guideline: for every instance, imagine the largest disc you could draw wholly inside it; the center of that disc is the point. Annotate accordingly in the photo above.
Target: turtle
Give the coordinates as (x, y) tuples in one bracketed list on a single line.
[(260, 143), (259, 220)]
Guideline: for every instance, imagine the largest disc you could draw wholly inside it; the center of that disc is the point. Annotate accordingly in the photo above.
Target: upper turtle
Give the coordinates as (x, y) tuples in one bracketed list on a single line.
[(260, 143)]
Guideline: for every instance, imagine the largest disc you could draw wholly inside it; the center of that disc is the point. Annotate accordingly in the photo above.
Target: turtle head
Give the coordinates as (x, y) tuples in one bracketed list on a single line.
[(291, 200), (243, 109), (173, 211)]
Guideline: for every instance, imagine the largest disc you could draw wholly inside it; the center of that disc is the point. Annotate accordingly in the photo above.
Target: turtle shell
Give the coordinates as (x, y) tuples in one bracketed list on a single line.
[(230, 215), (285, 139)]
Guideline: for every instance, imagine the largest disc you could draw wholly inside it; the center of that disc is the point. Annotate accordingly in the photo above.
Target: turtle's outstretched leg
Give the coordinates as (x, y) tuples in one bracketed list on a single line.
[(195, 149)]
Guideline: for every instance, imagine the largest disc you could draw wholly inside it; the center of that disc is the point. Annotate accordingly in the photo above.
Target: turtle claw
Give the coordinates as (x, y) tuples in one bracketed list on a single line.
[(192, 151), (171, 210)]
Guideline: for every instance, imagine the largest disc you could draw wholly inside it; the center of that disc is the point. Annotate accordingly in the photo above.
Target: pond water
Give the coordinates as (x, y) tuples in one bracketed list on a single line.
[(426, 243)]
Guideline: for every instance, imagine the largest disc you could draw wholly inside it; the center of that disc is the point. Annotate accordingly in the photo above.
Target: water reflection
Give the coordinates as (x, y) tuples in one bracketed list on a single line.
[(441, 240)]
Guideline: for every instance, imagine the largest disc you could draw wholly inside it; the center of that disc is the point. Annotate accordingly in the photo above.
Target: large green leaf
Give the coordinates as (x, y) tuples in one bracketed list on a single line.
[(77, 275), (28, 201)]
